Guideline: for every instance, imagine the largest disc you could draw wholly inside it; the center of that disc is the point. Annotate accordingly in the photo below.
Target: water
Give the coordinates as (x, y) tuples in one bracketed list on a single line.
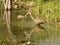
[(12, 28)]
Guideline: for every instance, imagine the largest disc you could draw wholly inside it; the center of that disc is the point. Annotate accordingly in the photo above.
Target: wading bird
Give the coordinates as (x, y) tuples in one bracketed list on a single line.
[(36, 21)]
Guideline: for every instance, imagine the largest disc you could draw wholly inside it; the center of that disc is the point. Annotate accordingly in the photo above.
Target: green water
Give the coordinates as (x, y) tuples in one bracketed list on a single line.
[(51, 35)]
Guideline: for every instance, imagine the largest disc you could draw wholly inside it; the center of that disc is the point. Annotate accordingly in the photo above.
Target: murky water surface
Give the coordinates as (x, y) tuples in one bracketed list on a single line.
[(9, 23)]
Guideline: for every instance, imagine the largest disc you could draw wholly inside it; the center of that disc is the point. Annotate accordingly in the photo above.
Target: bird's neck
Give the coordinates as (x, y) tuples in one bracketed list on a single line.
[(29, 13), (31, 17)]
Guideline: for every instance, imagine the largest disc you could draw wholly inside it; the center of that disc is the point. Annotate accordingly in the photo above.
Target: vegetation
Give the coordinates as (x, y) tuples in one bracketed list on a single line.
[(47, 10)]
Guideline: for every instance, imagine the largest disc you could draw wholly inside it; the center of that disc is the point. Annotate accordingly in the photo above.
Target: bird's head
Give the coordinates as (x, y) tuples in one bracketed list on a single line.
[(20, 16)]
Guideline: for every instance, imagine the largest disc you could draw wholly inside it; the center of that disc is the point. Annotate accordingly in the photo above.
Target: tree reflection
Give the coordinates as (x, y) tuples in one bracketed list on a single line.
[(7, 16), (10, 36)]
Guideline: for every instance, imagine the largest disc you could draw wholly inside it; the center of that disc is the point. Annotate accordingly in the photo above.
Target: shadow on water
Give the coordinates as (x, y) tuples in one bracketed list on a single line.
[(14, 31)]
